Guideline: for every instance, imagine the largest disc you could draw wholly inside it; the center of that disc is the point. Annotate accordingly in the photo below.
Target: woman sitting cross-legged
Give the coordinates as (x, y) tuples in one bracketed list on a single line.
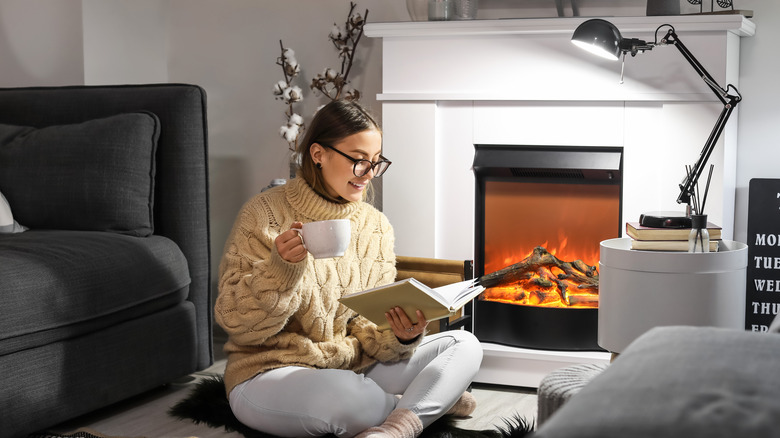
[(299, 362)]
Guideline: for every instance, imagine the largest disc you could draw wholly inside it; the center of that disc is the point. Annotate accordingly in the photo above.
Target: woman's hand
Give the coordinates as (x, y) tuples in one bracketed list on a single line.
[(290, 244), (402, 326)]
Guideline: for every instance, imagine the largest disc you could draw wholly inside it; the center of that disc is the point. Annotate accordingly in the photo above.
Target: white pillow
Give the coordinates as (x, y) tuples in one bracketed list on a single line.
[(7, 222)]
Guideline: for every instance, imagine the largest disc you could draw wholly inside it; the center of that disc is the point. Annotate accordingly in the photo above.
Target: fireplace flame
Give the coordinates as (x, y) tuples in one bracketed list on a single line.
[(552, 230), (542, 279)]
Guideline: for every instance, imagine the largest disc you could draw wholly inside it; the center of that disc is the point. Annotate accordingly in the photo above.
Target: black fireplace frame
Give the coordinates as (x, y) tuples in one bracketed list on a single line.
[(543, 328)]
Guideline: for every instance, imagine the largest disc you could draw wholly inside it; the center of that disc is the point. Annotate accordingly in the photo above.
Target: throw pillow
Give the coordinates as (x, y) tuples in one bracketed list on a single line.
[(97, 175), (679, 382), (7, 222)]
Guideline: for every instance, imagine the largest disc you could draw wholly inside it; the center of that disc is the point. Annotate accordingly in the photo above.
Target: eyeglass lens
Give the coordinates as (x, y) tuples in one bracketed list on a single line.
[(362, 167)]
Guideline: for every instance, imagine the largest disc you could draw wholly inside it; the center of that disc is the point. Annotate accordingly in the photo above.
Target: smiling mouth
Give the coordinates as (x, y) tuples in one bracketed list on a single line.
[(359, 186)]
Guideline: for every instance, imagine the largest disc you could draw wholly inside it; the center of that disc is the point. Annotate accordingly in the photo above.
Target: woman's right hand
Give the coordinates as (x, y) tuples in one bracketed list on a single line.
[(290, 244)]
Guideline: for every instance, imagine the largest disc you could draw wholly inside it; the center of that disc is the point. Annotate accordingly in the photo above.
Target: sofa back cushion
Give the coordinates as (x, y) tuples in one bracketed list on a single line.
[(92, 176)]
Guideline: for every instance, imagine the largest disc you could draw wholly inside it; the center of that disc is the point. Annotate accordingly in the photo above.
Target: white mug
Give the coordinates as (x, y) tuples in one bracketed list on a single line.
[(325, 239)]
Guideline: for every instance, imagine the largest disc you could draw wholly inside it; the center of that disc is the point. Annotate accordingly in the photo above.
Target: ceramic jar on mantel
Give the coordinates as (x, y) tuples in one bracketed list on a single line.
[(663, 7)]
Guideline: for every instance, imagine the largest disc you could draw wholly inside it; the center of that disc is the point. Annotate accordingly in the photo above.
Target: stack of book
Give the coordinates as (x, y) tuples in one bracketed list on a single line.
[(667, 239)]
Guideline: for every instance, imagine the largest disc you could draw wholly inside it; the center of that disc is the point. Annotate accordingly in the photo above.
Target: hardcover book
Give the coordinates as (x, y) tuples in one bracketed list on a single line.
[(411, 295), (638, 232), (667, 245)]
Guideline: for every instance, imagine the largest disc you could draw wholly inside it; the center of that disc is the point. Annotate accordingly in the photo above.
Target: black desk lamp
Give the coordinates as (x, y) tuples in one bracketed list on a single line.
[(602, 38)]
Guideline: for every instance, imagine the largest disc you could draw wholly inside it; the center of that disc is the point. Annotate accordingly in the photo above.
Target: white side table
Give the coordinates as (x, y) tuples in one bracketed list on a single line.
[(639, 290)]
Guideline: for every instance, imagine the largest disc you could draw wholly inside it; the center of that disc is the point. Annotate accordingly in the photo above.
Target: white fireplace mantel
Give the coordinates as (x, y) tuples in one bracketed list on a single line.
[(532, 59), (450, 85)]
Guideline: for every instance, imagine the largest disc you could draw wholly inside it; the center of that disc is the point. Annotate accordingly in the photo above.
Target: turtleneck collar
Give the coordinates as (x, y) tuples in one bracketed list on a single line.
[(313, 206)]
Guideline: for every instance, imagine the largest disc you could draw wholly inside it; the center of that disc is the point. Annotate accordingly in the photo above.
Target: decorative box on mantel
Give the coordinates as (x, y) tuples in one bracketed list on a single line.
[(450, 85)]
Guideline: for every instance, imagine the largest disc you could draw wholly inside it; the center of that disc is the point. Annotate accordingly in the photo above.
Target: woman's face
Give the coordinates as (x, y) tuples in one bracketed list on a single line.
[(340, 181)]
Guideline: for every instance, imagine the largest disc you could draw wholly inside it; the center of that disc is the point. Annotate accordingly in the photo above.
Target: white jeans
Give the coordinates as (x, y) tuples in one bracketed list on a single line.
[(304, 402)]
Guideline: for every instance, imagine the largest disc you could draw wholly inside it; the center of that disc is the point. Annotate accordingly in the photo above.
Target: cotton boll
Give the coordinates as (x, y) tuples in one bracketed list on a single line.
[(279, 88), (330, 74), (293, 94), (295, 119), (356, 19), (289, 56), (291, 134), (336, 32), (296, 95)]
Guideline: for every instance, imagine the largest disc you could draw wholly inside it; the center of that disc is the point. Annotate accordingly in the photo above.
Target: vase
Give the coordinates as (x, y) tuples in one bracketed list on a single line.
[(465, 9), (440, 10), (294, 162), (418, 9)]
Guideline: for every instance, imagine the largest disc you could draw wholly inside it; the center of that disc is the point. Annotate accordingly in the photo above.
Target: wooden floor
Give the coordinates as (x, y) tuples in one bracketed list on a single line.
[(146, 415)]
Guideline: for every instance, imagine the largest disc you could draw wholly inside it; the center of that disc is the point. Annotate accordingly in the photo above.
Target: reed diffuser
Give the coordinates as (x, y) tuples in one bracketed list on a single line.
[(699, 237)]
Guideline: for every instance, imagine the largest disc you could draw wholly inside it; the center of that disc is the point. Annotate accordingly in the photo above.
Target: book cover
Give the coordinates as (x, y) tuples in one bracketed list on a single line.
[(667, 245), (411, 295), (638, 232)]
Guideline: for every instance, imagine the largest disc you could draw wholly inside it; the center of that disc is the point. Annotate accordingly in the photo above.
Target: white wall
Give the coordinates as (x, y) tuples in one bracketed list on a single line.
[(40, 43), (125, 42), (230, 46)]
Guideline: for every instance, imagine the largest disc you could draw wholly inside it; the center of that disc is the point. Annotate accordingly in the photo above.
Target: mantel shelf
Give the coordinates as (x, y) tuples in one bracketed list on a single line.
[(733, 23)]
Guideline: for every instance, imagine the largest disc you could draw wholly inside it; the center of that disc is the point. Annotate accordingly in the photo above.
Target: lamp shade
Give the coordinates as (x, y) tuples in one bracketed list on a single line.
[(599, 37)]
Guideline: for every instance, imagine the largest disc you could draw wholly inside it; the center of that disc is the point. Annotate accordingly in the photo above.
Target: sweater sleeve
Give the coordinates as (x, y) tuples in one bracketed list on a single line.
[(381, 345), (257, 288)]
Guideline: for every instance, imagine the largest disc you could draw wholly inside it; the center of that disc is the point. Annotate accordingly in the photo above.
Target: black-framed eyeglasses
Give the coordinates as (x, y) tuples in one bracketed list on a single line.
[(362, 167)]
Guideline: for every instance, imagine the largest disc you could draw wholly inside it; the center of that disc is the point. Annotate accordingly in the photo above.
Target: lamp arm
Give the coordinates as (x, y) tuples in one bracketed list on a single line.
[(688, 186), (729, 101)]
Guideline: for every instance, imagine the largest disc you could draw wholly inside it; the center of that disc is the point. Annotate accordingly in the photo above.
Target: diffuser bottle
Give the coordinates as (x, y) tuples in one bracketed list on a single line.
[(699, 237)]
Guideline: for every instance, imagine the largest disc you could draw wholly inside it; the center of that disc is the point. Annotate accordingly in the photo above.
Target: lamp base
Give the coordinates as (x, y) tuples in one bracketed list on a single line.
[(665, 219)]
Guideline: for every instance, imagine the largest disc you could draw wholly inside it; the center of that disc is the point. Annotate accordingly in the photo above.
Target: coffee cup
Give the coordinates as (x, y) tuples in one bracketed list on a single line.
[(325, 239)]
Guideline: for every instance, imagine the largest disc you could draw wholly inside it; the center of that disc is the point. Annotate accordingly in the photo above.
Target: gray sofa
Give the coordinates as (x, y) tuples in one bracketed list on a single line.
[(682, 382), (106, 295)]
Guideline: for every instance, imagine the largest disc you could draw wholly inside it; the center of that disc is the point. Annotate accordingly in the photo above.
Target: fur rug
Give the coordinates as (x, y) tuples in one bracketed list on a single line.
[(207, 404)]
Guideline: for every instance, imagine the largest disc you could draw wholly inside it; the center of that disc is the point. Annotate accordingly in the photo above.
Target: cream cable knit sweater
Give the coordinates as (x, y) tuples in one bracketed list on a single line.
[(278, 313)]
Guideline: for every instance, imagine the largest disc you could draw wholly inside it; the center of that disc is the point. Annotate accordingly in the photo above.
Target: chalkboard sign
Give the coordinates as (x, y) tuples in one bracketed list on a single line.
[(763, 270)]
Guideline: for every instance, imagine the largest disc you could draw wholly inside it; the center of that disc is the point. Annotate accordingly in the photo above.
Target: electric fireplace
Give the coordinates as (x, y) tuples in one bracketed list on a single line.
[(541, 213)]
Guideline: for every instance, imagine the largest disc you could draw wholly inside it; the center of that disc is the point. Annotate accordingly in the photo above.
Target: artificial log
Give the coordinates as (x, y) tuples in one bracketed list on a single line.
[(543, 270)]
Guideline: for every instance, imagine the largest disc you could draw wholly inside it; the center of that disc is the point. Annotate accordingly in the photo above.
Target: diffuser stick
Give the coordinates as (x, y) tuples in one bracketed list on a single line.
[(707, 187)]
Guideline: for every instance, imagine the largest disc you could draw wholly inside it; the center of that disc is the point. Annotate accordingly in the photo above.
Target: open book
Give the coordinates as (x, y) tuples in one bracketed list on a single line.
[(411, 295)]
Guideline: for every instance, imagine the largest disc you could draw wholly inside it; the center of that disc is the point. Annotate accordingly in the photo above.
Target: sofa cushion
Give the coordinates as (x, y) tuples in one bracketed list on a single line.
[(60, 284), (97, 175), (680, 382)]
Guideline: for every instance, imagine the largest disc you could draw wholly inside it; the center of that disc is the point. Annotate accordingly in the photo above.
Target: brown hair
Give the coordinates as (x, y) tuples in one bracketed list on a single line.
[(333, 122)]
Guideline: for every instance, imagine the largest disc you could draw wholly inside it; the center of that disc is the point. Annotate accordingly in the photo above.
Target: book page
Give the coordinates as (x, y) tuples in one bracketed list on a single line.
[(454, 293)]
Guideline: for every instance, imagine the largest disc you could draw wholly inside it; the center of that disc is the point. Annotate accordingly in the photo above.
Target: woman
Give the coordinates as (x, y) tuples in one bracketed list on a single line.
[(300, 363)]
